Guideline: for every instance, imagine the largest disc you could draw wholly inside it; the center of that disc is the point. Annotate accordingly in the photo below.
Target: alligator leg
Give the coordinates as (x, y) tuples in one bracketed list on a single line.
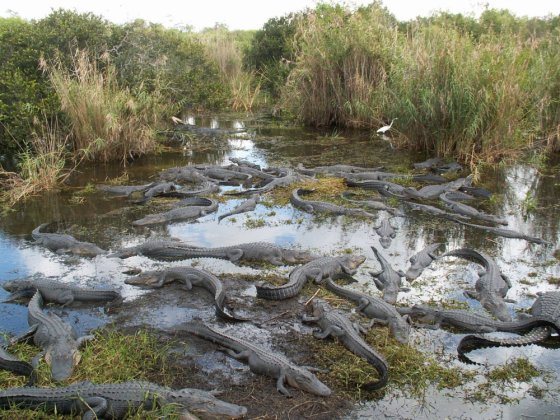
[(25, 336), (235, 254), (84, 339), (360, 329), (307, 318), (363, 304), (97, 407), (280, 384), (471, 294), (36, 358), (379, 284), (65, 297), (330, 330)]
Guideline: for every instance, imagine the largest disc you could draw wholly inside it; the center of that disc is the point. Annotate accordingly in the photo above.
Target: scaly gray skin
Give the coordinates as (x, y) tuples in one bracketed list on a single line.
[(156, 249), (386, 233), (159, 189), (204, 188), (252, 172), (59, 341), (387, 280), (243, 162), (546, 306), (317, 270), (376, 309), (117, 401), (420, 261), (56, 291), (431, 192), (383, 187), (371, 176), (65, 244), (189, 277), (263, 361), (183, 174), (321, 206), (11, 363), (372, 204), (276, 182), (427, 164), (334, 323), (123, 189), (425, 208), (471, 321), (471, 212), (334, 169), (179, 214), (507, 233), (247, 205), (224, 174), (491, 286), (448, 167)]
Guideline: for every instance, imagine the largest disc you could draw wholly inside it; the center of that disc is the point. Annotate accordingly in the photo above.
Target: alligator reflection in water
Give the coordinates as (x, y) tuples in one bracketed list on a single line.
[(527, 265)]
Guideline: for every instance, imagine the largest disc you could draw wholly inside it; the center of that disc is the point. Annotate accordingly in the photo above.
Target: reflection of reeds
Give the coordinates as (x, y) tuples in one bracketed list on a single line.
[(109, 122)]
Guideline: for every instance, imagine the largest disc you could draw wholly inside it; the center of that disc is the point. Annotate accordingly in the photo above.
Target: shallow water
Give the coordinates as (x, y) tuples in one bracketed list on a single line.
[(106, 221)]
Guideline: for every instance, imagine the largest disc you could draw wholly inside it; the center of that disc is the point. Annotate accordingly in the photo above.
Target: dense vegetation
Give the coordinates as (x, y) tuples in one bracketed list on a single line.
[(74, 86)]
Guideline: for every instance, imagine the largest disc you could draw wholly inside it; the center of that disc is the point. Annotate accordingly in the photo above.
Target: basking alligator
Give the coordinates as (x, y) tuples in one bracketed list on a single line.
[(334, 169), (386, 233), (253, 251), (507, 233), (546, 306), (13, 364), (387, 280), (263, 361), (190, 277), (243, 162), (56, 291), (117, 401), (247, 205), (59, 341), (471, 212), (491, 287), (428, 164), (425, 208), (377, 309), (385, 188), (431, 192), (123, 189), (65, 244), (372, 203), (420, 261), (333, 322), (156, 190), (193, 208), (317, 270), (321, 206), (283, 181)]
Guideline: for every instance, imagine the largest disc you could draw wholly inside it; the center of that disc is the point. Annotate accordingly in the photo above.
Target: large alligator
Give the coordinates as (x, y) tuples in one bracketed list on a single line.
[(431, 192), (224, 174), (491, 287), (118, 401), (123, 189), (546, 306), (321, 206), (192, 208), (426, 208), (189, 277), (420, 261), (428, 164), (183, 174), (243, 162), (386, 233), (334, 323), (371, 203), (317, 270), (377, 309), (263, 361), (507, 233), (385, 188), (334, 169), (465, 210), (283, 181), (11, 363), (58, 340), (65, 244), (56, 291), (252, 251), (245, 206), (387, 280), (156, 190)]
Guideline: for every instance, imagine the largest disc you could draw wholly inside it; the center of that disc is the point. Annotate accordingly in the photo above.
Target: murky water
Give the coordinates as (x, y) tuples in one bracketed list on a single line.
[(106, 220)]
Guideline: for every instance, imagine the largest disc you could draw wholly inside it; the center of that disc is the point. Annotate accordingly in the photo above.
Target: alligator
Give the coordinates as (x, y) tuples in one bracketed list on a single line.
[(243, 162), (199, 207), (318, 270), (473, 322), (283, 181), (386, 233), (56, 291), (189, 277), (123, 189), (448, 168), (428, 164), (420, 261), (203, 189), (387, 280), (491, 286), (507, 233), (161, 188), (252, 251), (334, 323), (263, 361), (118, 401), (65, 244), (321, 206), (334, 169), (377, 309), (546, 306), (471, 212), (182, 174), (247, 205), (11, 363), (372, 204), (431, 192), (476, 191), (253, 172), (58, 340), (224, 174), (388, 189), (426, 208)]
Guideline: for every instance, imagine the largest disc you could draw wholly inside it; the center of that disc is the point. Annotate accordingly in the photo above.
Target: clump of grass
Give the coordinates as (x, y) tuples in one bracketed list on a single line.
[(518, 370), (327, 189), (254, 223), (553, 280)]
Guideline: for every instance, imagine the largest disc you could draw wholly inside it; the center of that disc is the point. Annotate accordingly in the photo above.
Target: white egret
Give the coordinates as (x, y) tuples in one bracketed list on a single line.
[(386, 128)]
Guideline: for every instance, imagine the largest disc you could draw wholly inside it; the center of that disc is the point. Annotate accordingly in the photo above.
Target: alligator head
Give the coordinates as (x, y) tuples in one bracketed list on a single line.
[(149, 279), (497, 307), (62, 357), (400, 328), (385, 241), (297, 257), (350, 263), (301, 378), (205, 403)]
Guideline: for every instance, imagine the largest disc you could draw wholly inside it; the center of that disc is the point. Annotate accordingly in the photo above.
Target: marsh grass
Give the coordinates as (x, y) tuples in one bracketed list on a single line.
[(111, 357)]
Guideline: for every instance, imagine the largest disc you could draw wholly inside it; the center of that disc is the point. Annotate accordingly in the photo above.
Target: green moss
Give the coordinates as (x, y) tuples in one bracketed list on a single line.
[(518, 370), (553, 280)]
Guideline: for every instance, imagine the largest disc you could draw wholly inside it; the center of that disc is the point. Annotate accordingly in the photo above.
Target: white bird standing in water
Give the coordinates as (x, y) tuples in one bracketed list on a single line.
[(386, 128)]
